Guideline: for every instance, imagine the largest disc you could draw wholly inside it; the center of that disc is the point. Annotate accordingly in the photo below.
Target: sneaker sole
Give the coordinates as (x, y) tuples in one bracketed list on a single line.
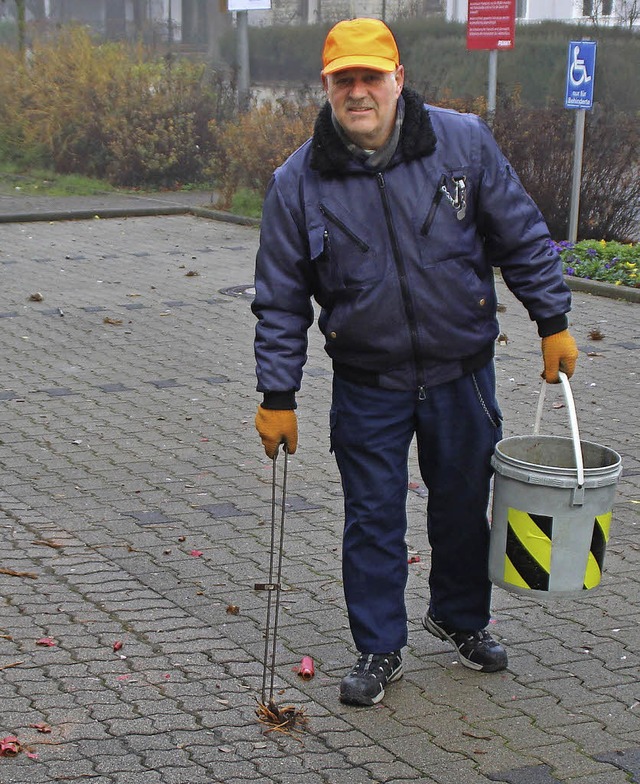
[(352, 698), (431, 626)]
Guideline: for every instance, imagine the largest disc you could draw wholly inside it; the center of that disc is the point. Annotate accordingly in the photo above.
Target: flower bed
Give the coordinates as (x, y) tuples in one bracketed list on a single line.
[(609, 262)]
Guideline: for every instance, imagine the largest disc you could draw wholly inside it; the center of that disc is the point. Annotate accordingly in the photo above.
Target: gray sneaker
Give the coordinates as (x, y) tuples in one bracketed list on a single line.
[(364, 685), (477, 650)]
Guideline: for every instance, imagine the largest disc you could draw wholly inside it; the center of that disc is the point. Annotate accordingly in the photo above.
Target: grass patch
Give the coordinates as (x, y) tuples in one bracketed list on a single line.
[(34, 182), (247, 202)]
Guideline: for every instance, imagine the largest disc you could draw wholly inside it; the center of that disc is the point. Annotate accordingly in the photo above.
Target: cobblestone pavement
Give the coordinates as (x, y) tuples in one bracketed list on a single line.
[(135, 508)]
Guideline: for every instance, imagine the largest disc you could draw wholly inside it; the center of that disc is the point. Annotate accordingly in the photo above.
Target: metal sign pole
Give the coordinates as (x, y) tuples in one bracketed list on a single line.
[(243, 60), (491, 25), (578, 146), (492, 88), (581, 65)]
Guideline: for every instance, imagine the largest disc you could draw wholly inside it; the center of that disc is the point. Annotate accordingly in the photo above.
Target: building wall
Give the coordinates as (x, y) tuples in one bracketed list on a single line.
[(311, 11), (539, 10)]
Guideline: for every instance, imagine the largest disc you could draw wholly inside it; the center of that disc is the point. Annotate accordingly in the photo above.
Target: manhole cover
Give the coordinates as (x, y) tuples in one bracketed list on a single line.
[(245, 290)]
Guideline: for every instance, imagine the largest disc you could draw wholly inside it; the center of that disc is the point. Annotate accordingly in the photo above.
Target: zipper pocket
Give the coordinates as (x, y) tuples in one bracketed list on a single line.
[(437, 198), (344, 229)]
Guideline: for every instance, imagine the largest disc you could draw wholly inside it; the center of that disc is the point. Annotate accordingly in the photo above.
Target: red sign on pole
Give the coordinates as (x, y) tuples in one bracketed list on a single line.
[(491, 24)]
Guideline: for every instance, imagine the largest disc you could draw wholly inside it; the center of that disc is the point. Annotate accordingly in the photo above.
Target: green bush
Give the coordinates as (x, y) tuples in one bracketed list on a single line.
[(257, 142), (108, 111)]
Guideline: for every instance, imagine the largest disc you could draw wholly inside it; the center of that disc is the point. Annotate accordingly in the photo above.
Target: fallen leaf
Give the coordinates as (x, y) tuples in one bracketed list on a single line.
[(225, 749), (596, 334), (41, 726), (287, 719), (414, 559), (13, 664), (36, 297), (192, 274), (46, 543), (14, 573), (477, 737), (47, 642), (233, 609), (196, 553), (114, 322)]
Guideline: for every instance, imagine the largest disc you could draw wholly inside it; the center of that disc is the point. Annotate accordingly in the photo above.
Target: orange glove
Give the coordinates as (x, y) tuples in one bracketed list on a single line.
[(559, 352), (277, 427)]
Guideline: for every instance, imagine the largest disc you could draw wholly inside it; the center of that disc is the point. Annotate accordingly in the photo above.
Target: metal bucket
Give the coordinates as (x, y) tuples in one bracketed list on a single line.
[(552, 502)]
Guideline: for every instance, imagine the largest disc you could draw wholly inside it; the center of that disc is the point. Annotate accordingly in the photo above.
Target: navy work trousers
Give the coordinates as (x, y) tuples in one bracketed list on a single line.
[(456, 427)]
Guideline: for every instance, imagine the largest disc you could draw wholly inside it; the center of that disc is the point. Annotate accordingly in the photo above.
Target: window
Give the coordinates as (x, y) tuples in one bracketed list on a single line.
[(597, 7)]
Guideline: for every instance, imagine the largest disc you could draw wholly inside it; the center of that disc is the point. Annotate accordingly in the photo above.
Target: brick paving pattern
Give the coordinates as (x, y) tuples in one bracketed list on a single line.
[(135, 508)]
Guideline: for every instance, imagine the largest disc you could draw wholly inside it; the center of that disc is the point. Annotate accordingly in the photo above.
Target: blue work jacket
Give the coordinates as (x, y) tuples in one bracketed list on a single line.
[(401, 261)]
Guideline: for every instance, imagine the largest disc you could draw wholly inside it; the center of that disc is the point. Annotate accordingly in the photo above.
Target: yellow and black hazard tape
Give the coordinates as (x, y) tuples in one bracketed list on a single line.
[(599, 540), (529, 545), (528, 553)]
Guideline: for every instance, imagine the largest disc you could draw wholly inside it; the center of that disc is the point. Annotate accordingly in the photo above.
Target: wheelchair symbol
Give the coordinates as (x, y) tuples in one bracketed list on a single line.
[(578, 71)]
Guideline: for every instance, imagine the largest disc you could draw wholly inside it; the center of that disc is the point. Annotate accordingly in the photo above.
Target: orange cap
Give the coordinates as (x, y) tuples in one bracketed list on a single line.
[(360, 43)]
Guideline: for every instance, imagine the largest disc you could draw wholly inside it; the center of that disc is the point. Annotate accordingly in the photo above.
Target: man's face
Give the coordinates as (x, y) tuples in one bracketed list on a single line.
[(364, 103)]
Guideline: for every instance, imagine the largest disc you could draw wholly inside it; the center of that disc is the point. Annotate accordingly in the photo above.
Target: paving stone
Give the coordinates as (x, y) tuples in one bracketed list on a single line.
[(627, 760)]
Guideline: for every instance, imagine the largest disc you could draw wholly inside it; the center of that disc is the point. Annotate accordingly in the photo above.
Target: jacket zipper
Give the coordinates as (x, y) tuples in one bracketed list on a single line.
[(344, 229), (404, 287), (426, 226)]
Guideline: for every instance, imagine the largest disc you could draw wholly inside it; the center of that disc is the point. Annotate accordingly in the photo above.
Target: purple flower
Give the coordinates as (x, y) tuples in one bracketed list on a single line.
[(570, 271)]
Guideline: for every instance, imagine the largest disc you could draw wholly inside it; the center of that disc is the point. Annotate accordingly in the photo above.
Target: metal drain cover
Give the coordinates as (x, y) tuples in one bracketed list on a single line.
[(246, 290)]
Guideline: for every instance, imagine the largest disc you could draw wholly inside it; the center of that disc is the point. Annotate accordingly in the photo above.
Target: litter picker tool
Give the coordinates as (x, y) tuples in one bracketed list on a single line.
[(273, 585), (282, 719)]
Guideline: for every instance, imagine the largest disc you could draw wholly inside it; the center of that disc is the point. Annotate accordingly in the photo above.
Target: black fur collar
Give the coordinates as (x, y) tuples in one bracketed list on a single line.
[(417, 137)]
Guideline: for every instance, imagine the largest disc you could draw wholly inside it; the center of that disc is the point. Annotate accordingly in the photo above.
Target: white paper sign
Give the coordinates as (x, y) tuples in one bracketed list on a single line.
[(249, 5)]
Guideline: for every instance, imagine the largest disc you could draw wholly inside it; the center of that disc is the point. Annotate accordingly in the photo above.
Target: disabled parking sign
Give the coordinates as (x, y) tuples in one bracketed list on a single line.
[(581, 66)]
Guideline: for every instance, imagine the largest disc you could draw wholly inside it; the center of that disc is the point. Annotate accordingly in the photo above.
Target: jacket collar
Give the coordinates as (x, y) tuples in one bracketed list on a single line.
[(329, 156)]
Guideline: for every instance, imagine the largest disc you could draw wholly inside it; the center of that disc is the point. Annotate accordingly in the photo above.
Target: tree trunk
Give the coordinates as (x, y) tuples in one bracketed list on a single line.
[(37, 9), (140, 18), (218, 22), (21, 9)]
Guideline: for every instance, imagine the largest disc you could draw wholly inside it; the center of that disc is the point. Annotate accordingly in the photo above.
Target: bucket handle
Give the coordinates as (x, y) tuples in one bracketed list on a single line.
[(578, 496)]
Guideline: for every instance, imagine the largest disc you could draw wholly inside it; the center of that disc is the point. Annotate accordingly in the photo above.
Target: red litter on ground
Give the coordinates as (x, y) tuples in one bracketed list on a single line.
[(414, 559), (9, 746), (306, 669)]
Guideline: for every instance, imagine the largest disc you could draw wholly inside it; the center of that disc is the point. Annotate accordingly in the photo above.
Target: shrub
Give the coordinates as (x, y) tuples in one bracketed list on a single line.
[(107, 111), (539, 144), (257, 142), (159, 134)]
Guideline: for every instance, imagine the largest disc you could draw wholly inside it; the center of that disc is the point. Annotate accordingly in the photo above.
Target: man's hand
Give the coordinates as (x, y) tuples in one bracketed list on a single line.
[(277, 427), (559, 352)]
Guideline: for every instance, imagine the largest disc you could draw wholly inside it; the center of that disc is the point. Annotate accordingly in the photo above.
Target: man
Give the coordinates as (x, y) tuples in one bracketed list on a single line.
[(392, 216)]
